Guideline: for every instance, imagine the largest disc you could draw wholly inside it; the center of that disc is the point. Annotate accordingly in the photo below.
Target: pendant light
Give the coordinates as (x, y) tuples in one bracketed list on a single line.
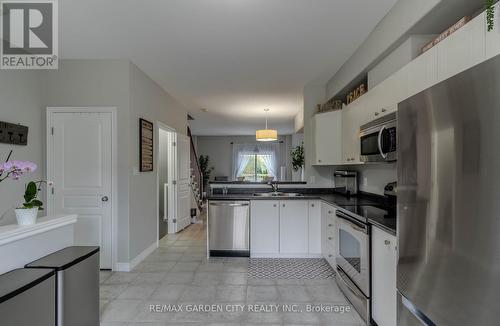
[(266, 134)]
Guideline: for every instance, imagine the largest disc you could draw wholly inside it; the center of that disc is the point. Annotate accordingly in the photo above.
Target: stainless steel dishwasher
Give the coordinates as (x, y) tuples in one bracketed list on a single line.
[(229, 228)]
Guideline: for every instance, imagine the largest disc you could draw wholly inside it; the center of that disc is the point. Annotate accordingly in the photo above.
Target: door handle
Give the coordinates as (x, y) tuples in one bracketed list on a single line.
[(104, 198)]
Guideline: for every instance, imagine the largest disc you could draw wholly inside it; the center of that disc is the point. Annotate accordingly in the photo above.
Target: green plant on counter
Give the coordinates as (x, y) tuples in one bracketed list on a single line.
[(205, 170), (297, 154), (31, 194), (490, 14)]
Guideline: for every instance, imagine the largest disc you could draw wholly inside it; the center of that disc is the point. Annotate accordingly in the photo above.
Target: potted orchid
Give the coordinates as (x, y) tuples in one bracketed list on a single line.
[(27, 213)]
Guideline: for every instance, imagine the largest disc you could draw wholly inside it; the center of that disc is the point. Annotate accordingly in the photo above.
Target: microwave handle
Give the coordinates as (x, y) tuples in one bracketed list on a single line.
[(379, 140)]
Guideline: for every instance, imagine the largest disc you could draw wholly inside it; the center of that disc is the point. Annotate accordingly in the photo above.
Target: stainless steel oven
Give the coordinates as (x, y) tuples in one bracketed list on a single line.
[(353, 261), (378, 139)]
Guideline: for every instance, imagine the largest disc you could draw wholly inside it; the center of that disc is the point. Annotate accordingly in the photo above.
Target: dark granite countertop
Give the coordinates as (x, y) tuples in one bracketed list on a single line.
[(386, 223), (257, 182)]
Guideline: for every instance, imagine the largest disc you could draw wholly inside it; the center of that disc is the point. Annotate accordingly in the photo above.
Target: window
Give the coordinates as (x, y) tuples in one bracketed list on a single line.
[(255, 169), (255, 161)]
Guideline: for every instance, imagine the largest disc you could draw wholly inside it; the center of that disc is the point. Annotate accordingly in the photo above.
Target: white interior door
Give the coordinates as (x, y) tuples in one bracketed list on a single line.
[(80, 165), (182, 184)]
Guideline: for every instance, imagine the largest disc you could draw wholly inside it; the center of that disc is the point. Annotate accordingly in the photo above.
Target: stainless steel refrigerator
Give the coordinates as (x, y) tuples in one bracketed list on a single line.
[(449, 201)]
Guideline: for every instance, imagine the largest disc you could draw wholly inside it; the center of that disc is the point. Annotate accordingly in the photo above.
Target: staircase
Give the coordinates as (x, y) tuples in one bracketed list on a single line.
[(196, 181)]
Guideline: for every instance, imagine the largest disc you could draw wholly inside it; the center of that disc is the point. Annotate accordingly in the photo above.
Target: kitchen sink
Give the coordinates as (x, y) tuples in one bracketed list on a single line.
[(277, 194)]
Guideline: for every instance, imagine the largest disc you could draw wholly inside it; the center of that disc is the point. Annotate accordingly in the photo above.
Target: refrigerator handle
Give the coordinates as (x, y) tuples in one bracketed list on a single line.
[(379, 140), (415, 312)]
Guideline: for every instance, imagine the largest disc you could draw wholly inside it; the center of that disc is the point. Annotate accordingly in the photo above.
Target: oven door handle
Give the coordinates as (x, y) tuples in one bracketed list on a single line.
[(379, 141), (349, 284), (355, 225)]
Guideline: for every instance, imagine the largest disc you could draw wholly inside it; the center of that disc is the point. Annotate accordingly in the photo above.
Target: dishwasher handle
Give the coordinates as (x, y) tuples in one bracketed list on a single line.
[(228, 204)]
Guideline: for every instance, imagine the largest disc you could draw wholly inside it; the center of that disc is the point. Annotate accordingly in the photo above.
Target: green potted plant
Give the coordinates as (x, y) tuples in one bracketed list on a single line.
[(27, 213), (297, 154), (204, 160)]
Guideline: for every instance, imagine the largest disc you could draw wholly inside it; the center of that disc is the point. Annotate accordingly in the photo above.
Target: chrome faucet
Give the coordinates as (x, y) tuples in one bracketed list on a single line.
[(274, 186)]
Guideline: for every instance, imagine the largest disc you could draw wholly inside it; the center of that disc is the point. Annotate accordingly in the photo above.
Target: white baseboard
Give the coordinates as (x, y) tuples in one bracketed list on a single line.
[(127, 267)]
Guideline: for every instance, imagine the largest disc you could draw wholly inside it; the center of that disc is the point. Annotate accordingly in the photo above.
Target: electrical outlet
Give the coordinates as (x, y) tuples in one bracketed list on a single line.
[(312, 179), (135, 170), (365, 181)]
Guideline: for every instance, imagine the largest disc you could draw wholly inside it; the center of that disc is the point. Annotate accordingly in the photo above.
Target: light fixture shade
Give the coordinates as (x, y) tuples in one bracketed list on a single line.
[(266, 135)]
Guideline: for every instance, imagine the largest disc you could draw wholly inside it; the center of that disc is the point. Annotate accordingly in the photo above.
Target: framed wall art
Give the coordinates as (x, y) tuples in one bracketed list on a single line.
[(146, 145)]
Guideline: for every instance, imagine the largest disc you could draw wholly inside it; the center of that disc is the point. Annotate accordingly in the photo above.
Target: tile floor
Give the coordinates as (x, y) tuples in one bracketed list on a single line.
[(178, 274)]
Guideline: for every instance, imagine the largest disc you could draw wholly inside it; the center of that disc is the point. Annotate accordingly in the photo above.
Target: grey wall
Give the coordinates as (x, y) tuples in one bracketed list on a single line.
[(220, 151), (24, 96), (149, 101), (21, 101)]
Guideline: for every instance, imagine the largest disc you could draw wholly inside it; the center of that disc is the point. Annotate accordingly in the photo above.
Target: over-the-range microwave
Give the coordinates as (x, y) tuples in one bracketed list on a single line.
[(378, 139)]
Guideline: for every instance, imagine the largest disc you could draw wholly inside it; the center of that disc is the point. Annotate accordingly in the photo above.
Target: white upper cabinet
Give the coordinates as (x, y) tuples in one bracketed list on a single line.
[(419, 74), (328, 138), (294, 227), (467, 47), (315, 227), (351, 117), (493, 36), (264, 227), (463, 49)]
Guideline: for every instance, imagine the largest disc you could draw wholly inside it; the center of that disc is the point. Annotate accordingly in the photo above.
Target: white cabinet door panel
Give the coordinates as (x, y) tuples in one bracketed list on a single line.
[(384, 261), (328, 138), (294, 227), (264, 227), (315, 227), (463, 49)]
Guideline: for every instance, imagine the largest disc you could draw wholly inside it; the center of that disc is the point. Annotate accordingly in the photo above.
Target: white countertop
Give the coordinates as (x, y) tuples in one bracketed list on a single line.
[(14, 232)]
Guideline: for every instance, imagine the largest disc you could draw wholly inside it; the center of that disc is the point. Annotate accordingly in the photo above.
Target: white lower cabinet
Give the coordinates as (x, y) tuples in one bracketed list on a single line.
[(294, 224), (328, 237), (286, 228), (314, 227), (264, 227), (384, 262)]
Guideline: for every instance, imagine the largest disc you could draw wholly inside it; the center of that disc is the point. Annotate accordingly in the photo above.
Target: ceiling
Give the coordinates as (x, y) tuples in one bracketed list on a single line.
[(232, 57)]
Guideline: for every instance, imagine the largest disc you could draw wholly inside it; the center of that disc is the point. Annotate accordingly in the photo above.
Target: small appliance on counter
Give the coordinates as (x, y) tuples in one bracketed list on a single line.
[(348, 180)]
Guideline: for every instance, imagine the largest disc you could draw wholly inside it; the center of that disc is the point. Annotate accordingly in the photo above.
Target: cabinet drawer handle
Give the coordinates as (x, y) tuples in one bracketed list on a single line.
[(330, 238), (387, 242), (329, 212), (376, 113), (283, 205), (312, 205), (274, 205), (330, 225), (330, 255), (319, 161)]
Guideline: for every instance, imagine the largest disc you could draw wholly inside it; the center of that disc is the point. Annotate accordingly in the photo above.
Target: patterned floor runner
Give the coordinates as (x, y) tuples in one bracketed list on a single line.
[(289, 268)]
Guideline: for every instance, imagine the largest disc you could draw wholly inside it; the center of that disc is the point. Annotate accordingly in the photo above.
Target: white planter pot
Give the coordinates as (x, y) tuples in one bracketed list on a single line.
[(26, 216)]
